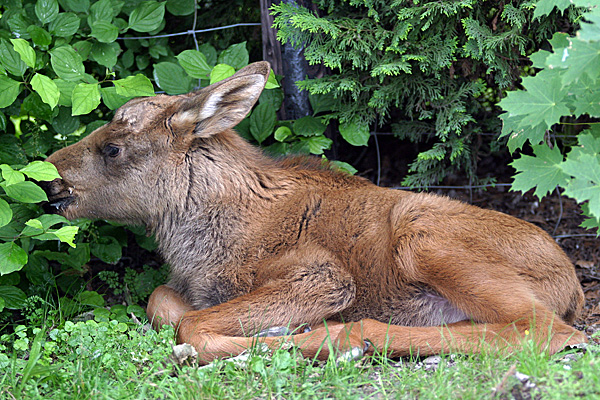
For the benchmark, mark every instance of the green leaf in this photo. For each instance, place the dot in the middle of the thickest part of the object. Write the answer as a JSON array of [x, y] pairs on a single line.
[[282, 133], [46, 10], [235, 55], [107, 249], [220, 72], [134, 86], [194, 63], [67, 63], [25, 192], [86, 97], [91, 299], [112, 99], [147, 16], [5, 213], [272, 81], [65, 25], [262, 122], [309, 126], [104, 31], [46, 88], [317, 144], [344, 167], [181, 7], [66, 92], [41, 171], [26, 52], [9, 90], [355, 134], [40, 36], [81, 6], [580, 57], [542, 171], [171, 78], [12, 258], [105, 54], [545, 7], [543, 100], [66, 234], [101, 11], [14, 298], [10, 175], [11, 60]]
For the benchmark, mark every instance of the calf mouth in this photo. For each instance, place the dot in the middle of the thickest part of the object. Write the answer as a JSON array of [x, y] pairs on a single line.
[[57, 205]]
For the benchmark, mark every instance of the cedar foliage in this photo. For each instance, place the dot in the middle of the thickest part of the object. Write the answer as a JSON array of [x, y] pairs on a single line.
[[426, 70]]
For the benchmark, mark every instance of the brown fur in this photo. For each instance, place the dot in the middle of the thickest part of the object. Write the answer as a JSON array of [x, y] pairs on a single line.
[[255, 243]]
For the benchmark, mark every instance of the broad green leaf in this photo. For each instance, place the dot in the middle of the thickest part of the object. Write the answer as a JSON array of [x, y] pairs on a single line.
[[67, 63], [90, 298], [355, 134], [272, 81], [108, 251], [46, 88], [65, 25], [66, 234], [18, 24], [35, 223], [86, 97], [309, 126], [545, 7], [81, 6], [46, 10], [9, 90], [542, 171], [66, 91], [583, 165], [262, 122], [580, 57], [112, 99], [105, 54], [134, 86], [26, 52], [11, 60], [220, 72], [101, 11], [104, 31], [10, 175], [344, 167], [194, 63], [26, 192], [2, 303], [282, 133], [12, 258], [181, 7], [235, 55], [210, 52], [41, 171], [40, 36], [543, 100], [171, 78], [14, 298], [317, 144], [147, 16], [5, 213], [590, 27]]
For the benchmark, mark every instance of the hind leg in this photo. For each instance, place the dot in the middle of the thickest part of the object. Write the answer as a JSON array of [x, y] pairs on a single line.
[[166, 307]]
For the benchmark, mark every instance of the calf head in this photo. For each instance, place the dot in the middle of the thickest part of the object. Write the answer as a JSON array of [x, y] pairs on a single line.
[[127, 170]]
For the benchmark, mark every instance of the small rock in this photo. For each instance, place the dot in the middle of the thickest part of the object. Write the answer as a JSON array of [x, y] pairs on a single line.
[[184, 353]]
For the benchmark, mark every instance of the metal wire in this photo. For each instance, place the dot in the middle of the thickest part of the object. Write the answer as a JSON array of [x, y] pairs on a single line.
[[191, 31]]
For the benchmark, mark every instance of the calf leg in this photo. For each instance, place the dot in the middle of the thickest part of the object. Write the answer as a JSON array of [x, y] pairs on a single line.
[[166, 307]]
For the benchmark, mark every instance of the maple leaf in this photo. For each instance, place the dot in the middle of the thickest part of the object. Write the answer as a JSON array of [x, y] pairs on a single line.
[[542, 171]]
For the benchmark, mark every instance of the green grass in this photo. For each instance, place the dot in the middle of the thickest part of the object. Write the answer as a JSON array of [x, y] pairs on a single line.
[[115, 360]]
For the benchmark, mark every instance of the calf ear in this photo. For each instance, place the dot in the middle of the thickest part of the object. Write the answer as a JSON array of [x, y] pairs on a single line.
[[222, 105]]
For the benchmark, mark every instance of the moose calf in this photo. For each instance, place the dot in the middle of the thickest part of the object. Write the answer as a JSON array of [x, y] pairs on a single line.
[[257, 244]]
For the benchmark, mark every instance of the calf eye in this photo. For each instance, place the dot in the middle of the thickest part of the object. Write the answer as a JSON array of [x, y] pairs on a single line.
[[111, 150]]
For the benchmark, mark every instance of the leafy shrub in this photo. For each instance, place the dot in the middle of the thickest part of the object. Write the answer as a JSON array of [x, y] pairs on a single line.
[[65, 66], [562, 95], [430, 71]]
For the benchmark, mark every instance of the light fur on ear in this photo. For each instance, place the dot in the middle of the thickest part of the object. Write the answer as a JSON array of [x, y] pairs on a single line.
[[222, 105]]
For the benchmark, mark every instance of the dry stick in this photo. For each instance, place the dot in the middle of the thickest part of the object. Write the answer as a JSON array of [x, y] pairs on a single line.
[[500, 388]]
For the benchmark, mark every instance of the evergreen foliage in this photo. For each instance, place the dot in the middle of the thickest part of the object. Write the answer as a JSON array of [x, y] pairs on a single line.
[[418, 67]]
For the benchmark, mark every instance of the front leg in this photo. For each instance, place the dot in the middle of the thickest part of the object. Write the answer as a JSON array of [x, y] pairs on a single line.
[[313, 289]]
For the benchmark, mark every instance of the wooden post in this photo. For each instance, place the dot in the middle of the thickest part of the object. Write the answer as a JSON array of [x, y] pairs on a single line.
[[271, 47]]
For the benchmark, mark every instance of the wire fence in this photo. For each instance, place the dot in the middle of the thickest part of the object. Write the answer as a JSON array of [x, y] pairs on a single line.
[[470, 188]]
